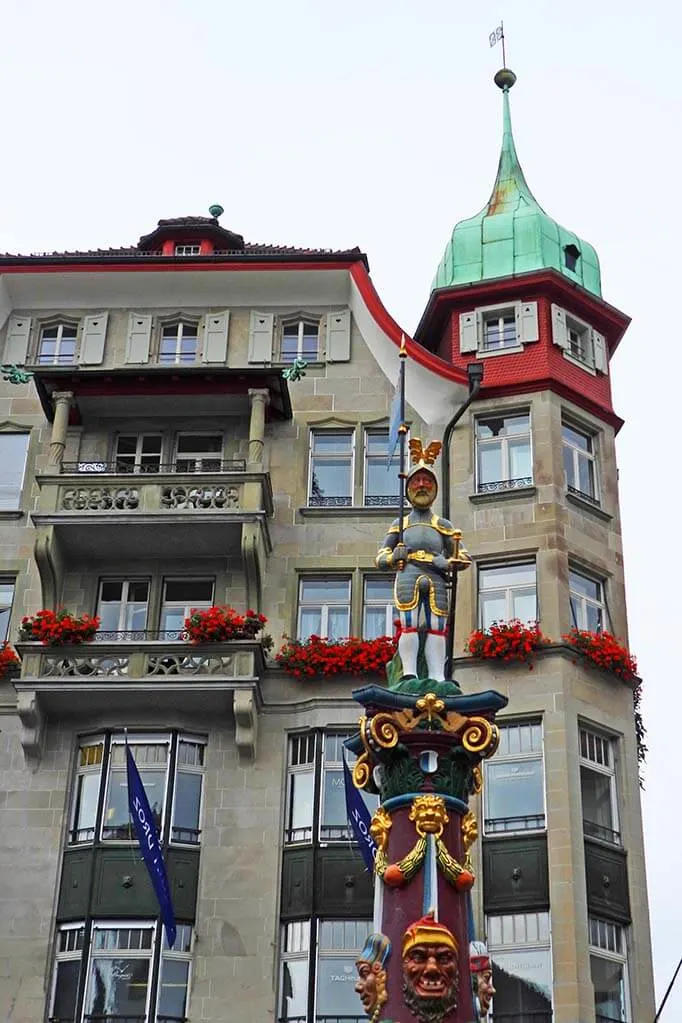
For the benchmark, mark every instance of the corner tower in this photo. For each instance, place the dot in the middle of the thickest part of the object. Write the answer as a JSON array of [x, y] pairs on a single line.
[[534, 488]]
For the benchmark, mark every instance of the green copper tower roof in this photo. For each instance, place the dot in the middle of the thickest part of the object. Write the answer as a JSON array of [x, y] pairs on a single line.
[[512, 234]]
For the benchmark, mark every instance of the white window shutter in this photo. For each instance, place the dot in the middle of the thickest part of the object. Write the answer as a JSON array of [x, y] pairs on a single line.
[[261, 329], [16, 343], [216, 326], [92, 341], [468, 332], [559, 328], [527, 322], [338, 336], [139, 337], [601, 357]]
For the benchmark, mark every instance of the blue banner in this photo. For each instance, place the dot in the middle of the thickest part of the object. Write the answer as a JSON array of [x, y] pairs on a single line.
[[150, 847], [359, 818]]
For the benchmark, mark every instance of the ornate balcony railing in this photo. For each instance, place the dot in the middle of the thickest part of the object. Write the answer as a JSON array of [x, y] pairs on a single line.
[[593, 830], [582, 496], [530, 822], [320, 501], [181, 465], [381, 500], [499, 486]]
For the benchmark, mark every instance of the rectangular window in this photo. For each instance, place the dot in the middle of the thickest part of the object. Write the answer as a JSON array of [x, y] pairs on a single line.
[[121, 961], [338, 946], [519, 946], [503, 453], [122, 607], [311, 783], [100, 777], [199, 452], [138, 453], [323, 607], [499, 329], [57, 345], [598, 786], [514, 789], [579, 341], [188, 250], [608, 969], [6, 601], [382, 484], [179, 343], [180, 598], [377, 607], [300, 340], [295, 971], [331, 468], [588, 602], [580, 467], [68, 956], [506, 592], [13, 452]]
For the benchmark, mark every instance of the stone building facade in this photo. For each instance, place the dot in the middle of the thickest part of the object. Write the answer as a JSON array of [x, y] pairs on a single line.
[[156, 461]]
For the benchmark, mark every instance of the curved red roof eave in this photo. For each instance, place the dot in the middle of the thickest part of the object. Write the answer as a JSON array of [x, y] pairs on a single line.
[[391, 329]]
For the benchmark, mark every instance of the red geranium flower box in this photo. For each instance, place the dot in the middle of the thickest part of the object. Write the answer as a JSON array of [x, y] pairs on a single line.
[[507, 641], [56, 628], [323, 657], [8, 659], [220, 623]]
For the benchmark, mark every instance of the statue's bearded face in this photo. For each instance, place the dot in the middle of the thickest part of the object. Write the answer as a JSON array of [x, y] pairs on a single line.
[[485, 990], [422, 489], [371, 985], [430, 981]]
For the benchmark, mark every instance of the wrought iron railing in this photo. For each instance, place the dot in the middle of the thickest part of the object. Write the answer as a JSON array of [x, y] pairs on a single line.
[[590, 498], [318, 501], [381, 500], [529, 822], [498, 486], [594, 830], [181, 465], [139, 635]]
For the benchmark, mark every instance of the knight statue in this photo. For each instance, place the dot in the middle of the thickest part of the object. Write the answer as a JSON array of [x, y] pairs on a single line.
[[424, 551]]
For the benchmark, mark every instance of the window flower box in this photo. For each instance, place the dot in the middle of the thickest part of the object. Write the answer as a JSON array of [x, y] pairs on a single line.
[[220, 623], [9, 661], [507, 641], [320, 658], [57, 628]]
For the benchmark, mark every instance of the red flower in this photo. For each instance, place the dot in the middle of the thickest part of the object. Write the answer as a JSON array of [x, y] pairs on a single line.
[[58, 627], [506, 641], [323, 657], [221, 623]]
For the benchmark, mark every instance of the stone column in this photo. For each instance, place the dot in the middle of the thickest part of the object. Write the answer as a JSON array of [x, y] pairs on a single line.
[[63, 403], [259, 398]]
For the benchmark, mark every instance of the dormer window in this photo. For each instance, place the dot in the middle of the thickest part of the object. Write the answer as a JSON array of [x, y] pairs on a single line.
[[179, 342], [499, 330], [57, 345], [191, 249], [571, 256], [300, 340]]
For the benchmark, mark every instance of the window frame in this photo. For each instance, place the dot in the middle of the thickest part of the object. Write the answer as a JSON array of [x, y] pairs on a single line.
[[530, 756], [610, 771], [73, 955], [95, 827], [334, 501], [581, 621], [500, 313], [376, 500], [390, 611], [180, 323], [138, 468], [584, 332], [184, 246], [325, 607], [509, 590], [514, 947], [58, 324], [20, 480], [163, 603], [8, 583], [596, 951], [591, 456], [506, 483], [198, 457], [125, 603], [300, 321]]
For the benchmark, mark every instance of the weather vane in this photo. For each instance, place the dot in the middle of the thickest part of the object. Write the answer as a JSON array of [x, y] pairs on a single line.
[[495, 37]]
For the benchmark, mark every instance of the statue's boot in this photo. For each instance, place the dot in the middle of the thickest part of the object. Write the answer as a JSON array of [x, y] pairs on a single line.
[[434, 651], [408, 648]]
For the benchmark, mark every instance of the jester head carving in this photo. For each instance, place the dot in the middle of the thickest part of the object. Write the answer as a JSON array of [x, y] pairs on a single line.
[[430, 970], [371, 967]]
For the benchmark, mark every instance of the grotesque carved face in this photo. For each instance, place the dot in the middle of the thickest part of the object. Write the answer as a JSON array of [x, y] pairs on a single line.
[[485, 990], [430, 981], [422, 489], [371, 985]]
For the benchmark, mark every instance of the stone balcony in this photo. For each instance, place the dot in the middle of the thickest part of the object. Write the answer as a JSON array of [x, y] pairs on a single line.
[[86, 513], [126, 679]]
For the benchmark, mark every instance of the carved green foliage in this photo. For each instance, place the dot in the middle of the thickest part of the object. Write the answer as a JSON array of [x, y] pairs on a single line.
[[400, 774], [455, 774]]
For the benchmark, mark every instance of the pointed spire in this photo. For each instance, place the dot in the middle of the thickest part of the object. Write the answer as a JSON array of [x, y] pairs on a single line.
[[510, 188]]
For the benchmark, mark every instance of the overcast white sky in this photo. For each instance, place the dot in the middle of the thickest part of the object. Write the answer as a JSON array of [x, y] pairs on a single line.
[[377, 124]]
